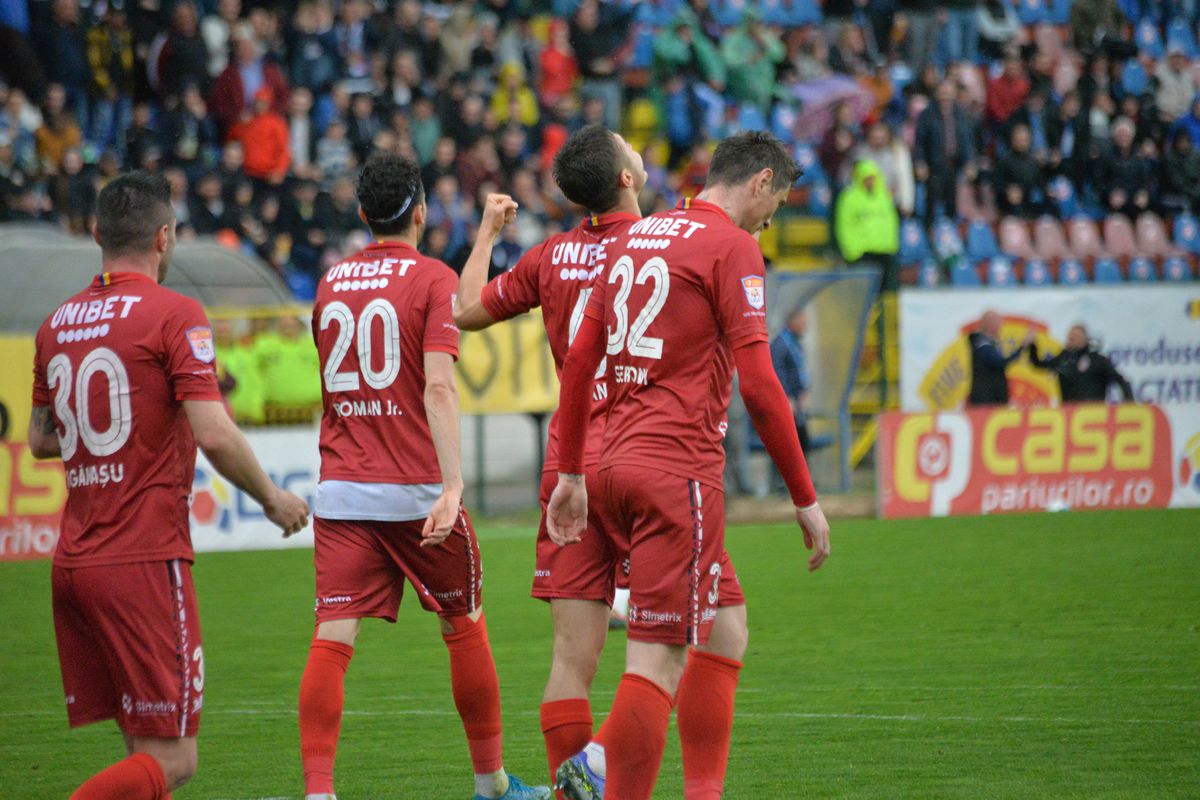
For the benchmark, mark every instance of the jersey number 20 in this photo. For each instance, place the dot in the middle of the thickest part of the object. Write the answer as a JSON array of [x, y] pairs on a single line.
[[377, 309]]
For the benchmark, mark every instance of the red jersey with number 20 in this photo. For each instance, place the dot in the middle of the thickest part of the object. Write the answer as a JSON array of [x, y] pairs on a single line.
[[376, 315], [678, 291], [558, 275], [114, 364]]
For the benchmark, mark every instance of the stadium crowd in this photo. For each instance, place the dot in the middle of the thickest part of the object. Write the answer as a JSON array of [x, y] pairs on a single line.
[[260, 113]]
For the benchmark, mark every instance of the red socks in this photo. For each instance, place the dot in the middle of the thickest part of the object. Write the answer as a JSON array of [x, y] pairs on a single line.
[[567, 726], [138, 777], [634, 737], [476, 691], [321, 697], [705, 715]]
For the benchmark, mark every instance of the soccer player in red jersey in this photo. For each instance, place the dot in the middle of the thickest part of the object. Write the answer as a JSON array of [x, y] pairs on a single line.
[[124, 390], [598, 170], [389, 501], [680, 304]]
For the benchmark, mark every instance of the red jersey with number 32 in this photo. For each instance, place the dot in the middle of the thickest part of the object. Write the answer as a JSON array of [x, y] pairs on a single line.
[[376, 315], [114, 364], [678, 291], [558, 275]]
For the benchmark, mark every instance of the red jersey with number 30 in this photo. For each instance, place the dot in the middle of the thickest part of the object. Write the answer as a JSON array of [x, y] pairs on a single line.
[[376, 315], [114, 364], [678, 291], [558, 275]]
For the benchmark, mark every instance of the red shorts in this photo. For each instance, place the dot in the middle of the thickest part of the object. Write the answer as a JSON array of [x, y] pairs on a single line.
[[589, 570], [362, 565], [129, 646], [679, 572]]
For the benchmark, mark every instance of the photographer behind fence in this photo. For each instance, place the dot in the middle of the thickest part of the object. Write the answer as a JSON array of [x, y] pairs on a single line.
[[1084, 373]]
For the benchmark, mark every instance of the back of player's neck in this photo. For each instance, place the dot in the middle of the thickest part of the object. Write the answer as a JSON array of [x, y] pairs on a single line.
[[127, 264], [399, 238], [628, 204]]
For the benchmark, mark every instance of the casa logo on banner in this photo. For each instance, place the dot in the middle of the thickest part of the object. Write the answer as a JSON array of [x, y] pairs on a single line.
[[1011, 459]]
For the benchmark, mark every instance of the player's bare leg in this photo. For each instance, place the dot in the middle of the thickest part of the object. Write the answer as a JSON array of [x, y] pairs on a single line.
[[624, 758], [704, 704], [322, 694], [580, 629], [152, 769]]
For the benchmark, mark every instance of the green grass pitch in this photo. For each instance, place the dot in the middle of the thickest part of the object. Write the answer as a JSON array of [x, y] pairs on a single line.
[[1052, 656]]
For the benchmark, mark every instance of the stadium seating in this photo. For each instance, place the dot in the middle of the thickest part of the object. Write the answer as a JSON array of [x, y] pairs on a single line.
[[1134, 79], [820, 199], [1085, 239], [913, 246], [1014, 238], [1107, 270], [1049, 241], [1071, 273], [947, 243], [1179, 33], [1031, 12], [1187, 233], [1063, 195], [1177, 269], [1152, 240], [1037, 273], [1000, 272], [1142, 270], [1059, 13], [981, 241], [806, 156], [929, 276], [1148, 39], [1118, 236], [963, 274]]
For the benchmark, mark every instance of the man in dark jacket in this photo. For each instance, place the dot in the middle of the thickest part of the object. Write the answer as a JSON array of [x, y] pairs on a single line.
[[1019, 179], [989, 385], [942, 148], [1084, 373]]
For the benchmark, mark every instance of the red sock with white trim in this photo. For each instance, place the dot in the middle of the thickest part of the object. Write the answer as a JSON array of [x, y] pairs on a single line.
[[139, 777], [322, 694], [704, 711], [476, 692]]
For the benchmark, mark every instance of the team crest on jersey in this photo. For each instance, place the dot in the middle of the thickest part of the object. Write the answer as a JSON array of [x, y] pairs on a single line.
[[755, 289], [201, 340]]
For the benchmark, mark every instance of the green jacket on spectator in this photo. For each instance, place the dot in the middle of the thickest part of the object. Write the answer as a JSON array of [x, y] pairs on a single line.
[[683, 49], [751, 53], [291, 370], [247, 399], [865, 219]]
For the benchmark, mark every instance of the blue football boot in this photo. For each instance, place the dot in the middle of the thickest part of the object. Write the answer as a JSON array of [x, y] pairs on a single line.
[[577, 780], [517, 790]]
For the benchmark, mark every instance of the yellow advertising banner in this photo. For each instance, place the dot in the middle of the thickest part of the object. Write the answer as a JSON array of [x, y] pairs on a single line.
[[507, 369], [16, 383]]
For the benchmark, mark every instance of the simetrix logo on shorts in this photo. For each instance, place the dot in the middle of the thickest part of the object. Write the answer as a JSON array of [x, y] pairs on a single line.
[[648, 617], [448, 595], [147, 707], [541, 573], [333, 600]]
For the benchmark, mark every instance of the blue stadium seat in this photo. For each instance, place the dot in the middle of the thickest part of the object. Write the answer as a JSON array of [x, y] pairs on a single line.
[[1142, 270], [1062, 191], [820, 198], [1178, 32], [1134, 79], [929, 276], [1071, 273], [1000, 272], [1148, 39], [1037, 273], [913, 247], [947, 242], [962, 273], [806, 157], [981, 241], [751, 118], [901, 75], [302, 285], [1031, 12], [1177, 269], [783, 121], [643, 48], [1187, 233], [1059, 13], [1107, 271]]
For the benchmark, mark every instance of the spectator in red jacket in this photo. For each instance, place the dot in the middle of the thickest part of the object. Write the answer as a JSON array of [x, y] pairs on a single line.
[[559, 68], [264, 138], [1006, 92], [248, 71]]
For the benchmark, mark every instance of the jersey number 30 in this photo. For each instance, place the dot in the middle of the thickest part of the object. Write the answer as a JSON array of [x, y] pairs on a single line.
[[77, 423], [377, 309], [633, 337]]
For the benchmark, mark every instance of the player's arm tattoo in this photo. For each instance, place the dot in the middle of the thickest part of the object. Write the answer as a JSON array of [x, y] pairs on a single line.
[[43, 421], [43, 434]]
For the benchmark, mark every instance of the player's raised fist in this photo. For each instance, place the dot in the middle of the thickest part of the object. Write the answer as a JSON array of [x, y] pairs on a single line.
[[566, 516], [287, 511], [499, 210], [441, 519], [816, 534]]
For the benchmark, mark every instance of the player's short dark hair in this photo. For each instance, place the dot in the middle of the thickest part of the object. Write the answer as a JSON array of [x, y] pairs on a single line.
[[389, 191], [130, 209], [743, 155], [588, 167]]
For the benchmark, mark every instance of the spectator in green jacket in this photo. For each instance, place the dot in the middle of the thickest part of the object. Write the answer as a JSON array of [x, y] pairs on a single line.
[[238, 373], [290, 366], [866, 223], [683, 49], [751, 53]]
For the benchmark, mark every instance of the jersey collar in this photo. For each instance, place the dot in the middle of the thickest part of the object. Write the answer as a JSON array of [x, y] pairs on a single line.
[[696, 204], [604, 220], [109, 278], [391, 245]]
